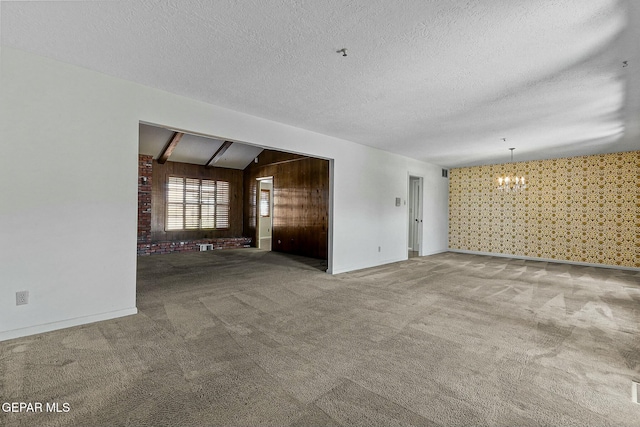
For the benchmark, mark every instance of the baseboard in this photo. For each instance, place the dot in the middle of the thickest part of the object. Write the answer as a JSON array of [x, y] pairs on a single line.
[[439, 251], [387, 261], [362, 267], [53, 326], [560, 261]]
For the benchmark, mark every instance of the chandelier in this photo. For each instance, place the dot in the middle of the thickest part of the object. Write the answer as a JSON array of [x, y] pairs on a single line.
[[509, 184]]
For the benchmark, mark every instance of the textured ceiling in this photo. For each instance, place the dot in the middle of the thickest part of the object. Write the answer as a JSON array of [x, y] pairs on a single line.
[[439, 81]]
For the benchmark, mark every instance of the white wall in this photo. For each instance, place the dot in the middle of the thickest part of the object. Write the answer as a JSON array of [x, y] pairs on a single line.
[[68, 182]]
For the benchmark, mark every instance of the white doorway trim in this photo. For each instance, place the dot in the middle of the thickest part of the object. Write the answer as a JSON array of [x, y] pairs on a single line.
[[264, 226], [330, 213]]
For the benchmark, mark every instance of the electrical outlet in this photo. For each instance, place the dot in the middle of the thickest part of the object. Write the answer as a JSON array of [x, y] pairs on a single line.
[[22, 297]]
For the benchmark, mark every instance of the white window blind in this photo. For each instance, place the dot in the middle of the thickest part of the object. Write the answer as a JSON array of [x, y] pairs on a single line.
[[265, 202], [222, 204], [196, 204]]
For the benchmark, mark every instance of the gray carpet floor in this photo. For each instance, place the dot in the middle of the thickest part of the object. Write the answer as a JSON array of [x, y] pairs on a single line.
[[244, 337]]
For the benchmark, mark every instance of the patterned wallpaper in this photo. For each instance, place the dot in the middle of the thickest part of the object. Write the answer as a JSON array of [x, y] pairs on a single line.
[[584, 209]]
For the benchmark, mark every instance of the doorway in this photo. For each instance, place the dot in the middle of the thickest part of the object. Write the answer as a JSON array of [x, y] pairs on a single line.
[[264, 214], [415, 216]]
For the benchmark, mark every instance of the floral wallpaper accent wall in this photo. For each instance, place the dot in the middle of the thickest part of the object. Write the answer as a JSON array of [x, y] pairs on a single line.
[[583, 209]]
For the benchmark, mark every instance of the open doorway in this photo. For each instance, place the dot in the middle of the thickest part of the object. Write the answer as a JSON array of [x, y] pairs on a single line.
[[264, 207], [415, 216], [199, 193]]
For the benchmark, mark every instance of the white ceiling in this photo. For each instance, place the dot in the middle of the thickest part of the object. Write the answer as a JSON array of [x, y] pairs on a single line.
[[439, 81], [194, 148]]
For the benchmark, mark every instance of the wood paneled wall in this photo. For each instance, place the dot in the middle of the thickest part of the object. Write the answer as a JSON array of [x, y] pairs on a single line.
[[161, 172], [300, 202]]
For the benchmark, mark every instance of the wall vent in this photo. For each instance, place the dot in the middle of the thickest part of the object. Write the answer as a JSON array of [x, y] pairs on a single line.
[[445, 173]]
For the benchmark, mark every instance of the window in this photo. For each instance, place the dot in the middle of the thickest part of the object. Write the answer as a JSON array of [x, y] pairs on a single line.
[[197, 204], [265, 202]]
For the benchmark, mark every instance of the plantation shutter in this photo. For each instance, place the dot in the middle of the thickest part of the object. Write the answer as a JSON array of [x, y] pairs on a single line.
[[194, 204], [175, 203], [208, 204], [222, 204]]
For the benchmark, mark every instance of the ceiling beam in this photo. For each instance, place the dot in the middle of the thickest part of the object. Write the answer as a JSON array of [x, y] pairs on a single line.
[[219, 152], [168, 149]]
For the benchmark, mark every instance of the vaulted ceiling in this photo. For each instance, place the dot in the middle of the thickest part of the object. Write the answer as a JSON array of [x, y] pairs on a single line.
[[195, 149], [439, 81]]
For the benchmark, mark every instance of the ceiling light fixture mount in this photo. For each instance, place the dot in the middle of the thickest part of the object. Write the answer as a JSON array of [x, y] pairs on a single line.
[[343, 51]]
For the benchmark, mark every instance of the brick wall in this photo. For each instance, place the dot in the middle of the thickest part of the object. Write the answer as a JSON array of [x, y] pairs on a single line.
[[145, 168], [145, 245], [192, 245]]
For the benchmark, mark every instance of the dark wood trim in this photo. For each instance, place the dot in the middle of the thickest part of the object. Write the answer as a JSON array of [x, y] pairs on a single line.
[[219, 152], [168, 149]]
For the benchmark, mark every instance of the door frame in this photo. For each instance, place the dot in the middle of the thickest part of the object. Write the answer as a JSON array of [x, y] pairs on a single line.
[[259, 182], [415, 222]]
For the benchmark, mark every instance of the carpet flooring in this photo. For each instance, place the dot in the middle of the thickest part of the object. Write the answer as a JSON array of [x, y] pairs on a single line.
[[252, 338]]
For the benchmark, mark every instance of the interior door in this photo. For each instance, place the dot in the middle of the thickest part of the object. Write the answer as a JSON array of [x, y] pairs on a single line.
[[415, 213]]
